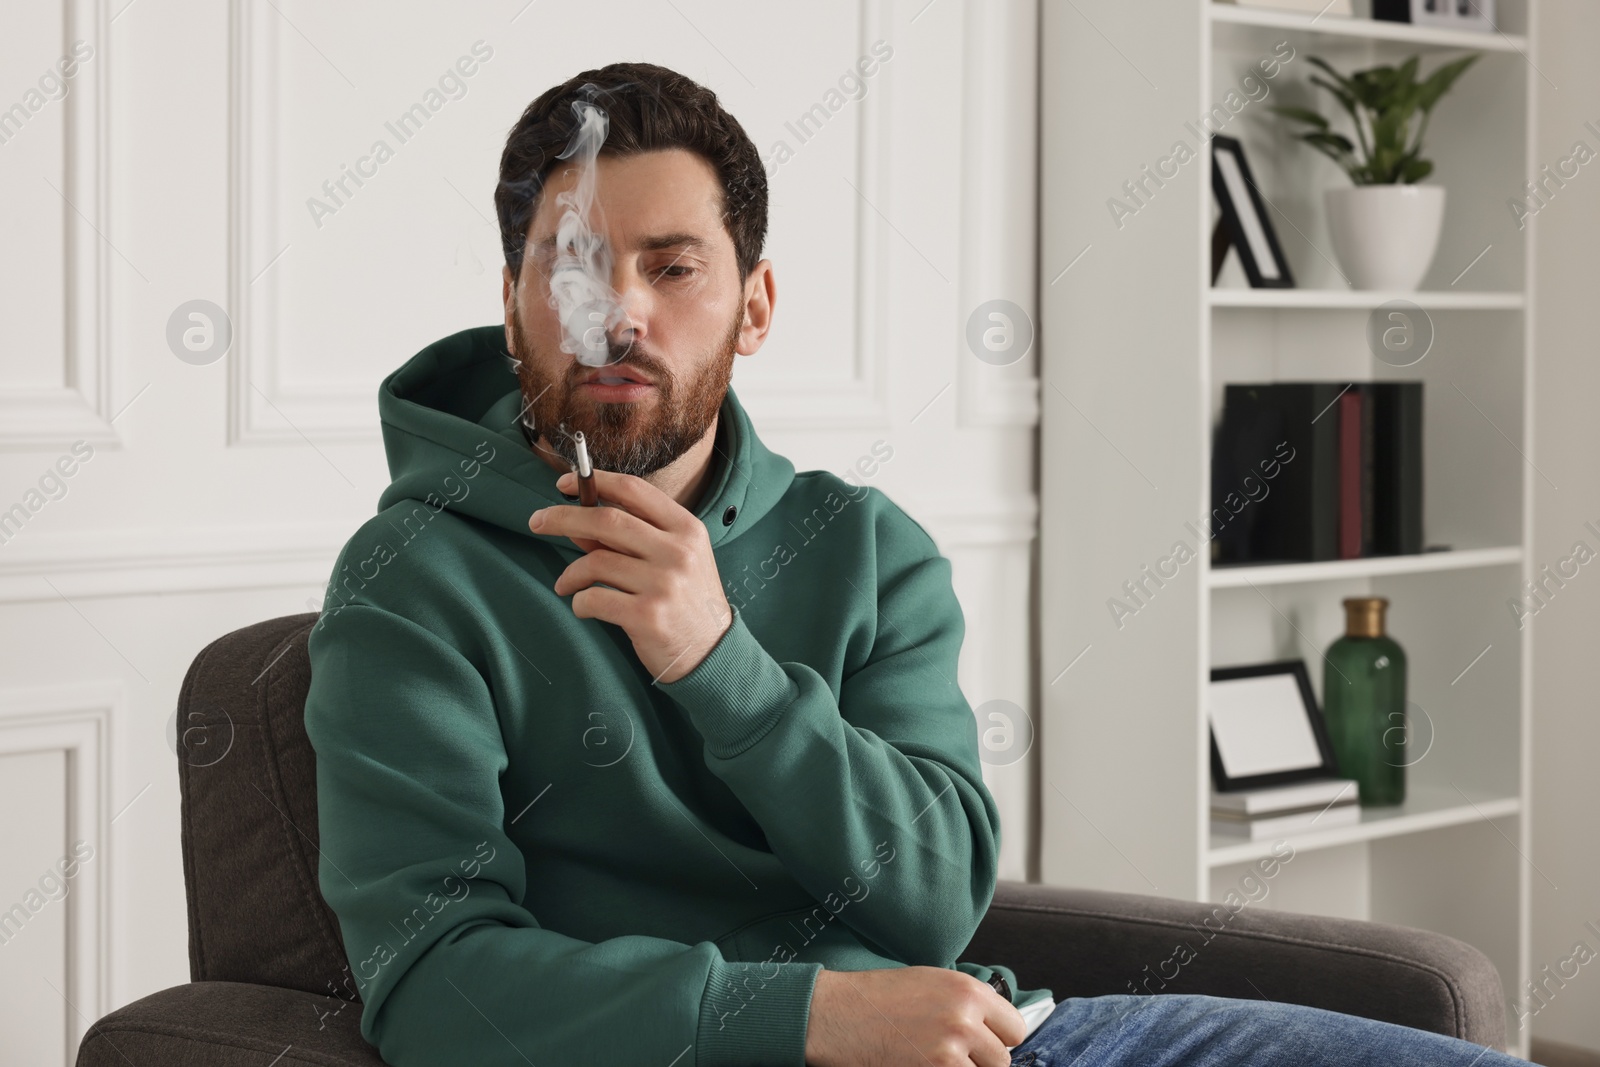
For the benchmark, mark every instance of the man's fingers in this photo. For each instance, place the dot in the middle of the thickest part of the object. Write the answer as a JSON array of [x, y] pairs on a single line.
[[1003, 1018], [634, 495], [616, 528], [625, 573], [988, 1050]]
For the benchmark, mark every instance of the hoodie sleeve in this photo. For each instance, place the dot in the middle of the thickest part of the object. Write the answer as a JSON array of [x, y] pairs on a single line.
[[427, 889], [887, 774]]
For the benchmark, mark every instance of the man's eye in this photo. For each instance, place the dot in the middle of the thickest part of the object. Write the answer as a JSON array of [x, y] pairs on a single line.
[[680, 270]]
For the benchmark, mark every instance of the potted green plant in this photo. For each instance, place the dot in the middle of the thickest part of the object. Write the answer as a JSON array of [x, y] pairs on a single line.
[[1385, 227]]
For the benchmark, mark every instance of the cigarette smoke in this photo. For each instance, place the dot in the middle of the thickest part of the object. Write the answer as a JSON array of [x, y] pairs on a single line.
[[580, 287]]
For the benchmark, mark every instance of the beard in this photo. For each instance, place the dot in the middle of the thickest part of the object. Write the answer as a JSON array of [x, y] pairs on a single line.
[[635, 437]]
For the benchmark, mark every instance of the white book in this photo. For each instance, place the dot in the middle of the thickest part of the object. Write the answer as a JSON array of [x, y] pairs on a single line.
[[1286, 797], [1312, 7], [1265, 827]]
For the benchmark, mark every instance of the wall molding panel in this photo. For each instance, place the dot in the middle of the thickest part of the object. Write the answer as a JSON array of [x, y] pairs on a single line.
[[78, 719], [153, 562], [51, 418], [264, 408]]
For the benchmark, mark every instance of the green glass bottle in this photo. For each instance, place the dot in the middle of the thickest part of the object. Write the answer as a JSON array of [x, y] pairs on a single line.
[[1364, 703]]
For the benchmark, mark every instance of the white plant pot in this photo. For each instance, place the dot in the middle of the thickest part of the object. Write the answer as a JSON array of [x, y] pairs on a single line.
[[1385, 235]]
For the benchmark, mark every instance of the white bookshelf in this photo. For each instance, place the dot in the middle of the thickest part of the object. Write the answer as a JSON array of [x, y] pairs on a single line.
[[1136, 346], [1361, 300], [1234, 577], [1425, 808], [1363, 29]]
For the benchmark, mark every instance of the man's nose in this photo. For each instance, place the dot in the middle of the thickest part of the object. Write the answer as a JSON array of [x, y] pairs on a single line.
[[635, 298]]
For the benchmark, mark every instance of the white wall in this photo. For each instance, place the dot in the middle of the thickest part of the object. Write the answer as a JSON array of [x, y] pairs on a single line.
[[178, 166], [1566, 671]]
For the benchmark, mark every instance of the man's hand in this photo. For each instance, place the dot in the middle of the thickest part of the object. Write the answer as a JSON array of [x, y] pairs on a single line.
[[656, 556], [909, 1017]]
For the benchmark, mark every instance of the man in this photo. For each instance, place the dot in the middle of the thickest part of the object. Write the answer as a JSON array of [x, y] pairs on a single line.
[[685, 778]]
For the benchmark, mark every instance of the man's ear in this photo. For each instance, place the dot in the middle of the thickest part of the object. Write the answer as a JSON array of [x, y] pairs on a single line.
[[760, 296], [508, 297]]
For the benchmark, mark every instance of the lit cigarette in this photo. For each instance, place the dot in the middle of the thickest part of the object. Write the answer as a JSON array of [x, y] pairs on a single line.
[[588, 493]]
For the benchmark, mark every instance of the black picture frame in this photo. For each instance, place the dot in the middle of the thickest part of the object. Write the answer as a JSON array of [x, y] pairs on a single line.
[[1244, 219], [1328, 768]]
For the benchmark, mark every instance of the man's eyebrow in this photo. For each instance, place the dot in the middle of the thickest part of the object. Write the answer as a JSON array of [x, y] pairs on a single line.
[[654, 243], [672, 240]]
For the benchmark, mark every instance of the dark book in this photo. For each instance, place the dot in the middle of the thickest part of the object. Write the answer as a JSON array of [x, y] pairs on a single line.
[[1371, 462], [1243, 436], [1284, 437], [1352, 468], [1397, 473], [1311, 471]]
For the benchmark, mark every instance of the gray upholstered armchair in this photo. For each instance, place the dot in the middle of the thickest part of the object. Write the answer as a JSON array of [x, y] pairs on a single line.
[[268, 967]]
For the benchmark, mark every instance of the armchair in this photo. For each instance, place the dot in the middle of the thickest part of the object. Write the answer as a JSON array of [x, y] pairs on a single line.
[[269, 975]]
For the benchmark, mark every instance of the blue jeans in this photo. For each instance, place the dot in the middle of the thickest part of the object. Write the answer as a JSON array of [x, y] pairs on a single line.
[[1122, 1030]]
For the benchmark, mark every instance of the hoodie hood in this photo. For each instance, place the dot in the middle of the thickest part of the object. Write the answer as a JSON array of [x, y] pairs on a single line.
[[451, 412]]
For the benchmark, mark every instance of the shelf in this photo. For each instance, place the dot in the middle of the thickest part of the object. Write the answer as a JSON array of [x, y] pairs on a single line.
[[1425, 808], [1243, 575], [1367, 29], [1363, 299]]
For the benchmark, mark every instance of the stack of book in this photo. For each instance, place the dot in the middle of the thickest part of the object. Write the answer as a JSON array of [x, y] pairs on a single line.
[[1312, 471], [1273, 811]]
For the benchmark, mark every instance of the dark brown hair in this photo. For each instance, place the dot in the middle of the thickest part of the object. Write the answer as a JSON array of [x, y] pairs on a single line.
[[649, 107]]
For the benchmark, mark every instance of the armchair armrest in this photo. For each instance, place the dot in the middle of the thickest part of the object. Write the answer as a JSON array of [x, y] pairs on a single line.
[[1085, 943], [230, 1024]]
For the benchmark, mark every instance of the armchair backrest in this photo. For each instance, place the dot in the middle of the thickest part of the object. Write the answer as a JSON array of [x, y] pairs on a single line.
[[248, 778]]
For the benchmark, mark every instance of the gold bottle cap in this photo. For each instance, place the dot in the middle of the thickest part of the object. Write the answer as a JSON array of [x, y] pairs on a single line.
[[1363, 615]]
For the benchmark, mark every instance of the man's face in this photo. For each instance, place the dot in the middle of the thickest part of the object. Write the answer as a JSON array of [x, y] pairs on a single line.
[[686, 314]]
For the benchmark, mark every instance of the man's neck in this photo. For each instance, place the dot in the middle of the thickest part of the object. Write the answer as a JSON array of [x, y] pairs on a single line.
[[685, 479]]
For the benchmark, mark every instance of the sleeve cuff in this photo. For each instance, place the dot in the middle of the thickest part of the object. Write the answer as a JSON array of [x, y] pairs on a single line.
[[749, 1016], [736, 694]]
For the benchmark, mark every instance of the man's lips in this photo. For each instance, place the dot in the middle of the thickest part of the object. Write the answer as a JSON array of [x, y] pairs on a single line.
[[616, 384], [615, 376]]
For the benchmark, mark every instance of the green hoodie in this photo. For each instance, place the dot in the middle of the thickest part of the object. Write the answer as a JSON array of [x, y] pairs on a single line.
[[537, 854]]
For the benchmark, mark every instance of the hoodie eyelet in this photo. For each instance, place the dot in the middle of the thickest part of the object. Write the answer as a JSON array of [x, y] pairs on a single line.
[[729, 515]]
